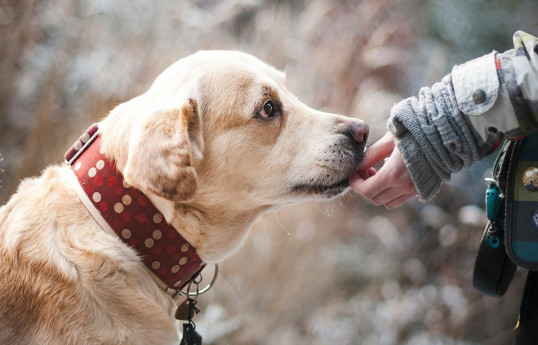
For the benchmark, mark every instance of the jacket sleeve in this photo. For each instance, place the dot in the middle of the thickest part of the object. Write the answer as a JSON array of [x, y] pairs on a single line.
[[499, 92], [461, 119]]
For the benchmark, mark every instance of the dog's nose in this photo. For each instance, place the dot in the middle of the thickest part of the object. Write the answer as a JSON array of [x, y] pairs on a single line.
[[359, 130]]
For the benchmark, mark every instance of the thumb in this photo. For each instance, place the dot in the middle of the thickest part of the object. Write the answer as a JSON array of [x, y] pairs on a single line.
[[378, 151]]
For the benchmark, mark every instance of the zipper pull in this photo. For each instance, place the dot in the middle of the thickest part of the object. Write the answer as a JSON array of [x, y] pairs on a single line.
[[493, 199]]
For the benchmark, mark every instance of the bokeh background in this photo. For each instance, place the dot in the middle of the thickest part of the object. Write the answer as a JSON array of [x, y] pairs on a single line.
[[339, 272]]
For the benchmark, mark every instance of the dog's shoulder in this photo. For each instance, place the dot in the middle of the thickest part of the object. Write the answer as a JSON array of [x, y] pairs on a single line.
[[62, 275]]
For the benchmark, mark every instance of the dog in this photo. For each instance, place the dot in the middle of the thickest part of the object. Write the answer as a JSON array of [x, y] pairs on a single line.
[[217, 140]]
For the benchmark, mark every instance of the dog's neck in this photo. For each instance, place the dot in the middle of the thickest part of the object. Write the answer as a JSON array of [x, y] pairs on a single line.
[[215, 230]]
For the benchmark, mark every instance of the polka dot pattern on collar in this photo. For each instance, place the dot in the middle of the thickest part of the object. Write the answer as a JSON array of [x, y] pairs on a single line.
[[134, 218]]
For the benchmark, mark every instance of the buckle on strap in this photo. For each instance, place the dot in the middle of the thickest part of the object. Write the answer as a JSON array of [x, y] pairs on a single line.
[[82, 143]]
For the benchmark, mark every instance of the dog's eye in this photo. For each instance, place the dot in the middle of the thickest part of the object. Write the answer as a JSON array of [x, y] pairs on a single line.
[[269, 110]]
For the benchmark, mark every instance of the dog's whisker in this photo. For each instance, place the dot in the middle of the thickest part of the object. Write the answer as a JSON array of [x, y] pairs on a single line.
[[281, 225]]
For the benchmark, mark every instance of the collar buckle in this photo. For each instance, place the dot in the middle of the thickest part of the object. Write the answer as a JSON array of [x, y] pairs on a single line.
[[81, 144]]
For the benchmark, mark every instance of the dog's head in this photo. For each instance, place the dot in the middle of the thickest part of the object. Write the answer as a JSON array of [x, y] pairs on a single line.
[[221, 129]]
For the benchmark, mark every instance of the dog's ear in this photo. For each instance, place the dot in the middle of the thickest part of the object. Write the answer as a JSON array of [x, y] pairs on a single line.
[[160, 153]]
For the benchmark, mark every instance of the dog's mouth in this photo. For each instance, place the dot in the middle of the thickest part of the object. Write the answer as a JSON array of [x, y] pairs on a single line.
[[329, 190], [326, 186]]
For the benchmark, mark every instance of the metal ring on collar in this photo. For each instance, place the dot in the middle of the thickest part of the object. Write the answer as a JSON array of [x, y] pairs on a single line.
[[205, 289]]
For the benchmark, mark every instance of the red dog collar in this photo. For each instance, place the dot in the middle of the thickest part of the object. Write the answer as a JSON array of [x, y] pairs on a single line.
[[130, 214]]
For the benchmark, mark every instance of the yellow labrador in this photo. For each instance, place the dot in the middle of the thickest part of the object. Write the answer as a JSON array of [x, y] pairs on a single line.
[[217, 140]]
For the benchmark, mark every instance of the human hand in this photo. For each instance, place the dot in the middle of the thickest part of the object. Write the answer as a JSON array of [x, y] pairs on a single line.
[[391, 186]]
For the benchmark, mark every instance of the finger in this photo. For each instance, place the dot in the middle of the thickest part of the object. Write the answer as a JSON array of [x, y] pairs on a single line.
[[368, 188], [400, 200], [365, 174], [362, 174], [387, 196], [379, 150]]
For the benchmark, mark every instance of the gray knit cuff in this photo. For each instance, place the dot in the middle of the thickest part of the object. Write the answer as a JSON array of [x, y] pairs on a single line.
[[426, 181], [434, 137]]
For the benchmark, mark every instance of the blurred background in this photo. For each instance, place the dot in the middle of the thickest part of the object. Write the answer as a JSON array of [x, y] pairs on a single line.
[[340, 272]]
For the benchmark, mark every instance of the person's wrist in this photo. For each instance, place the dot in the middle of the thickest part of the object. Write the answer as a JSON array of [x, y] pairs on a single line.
[[424, 178]]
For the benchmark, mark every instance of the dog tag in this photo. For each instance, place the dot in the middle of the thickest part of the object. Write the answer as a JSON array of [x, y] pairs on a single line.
[[184, 311], [190, 336]]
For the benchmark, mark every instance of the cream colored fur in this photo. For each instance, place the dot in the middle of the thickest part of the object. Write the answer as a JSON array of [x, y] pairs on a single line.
[[198, 144]]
